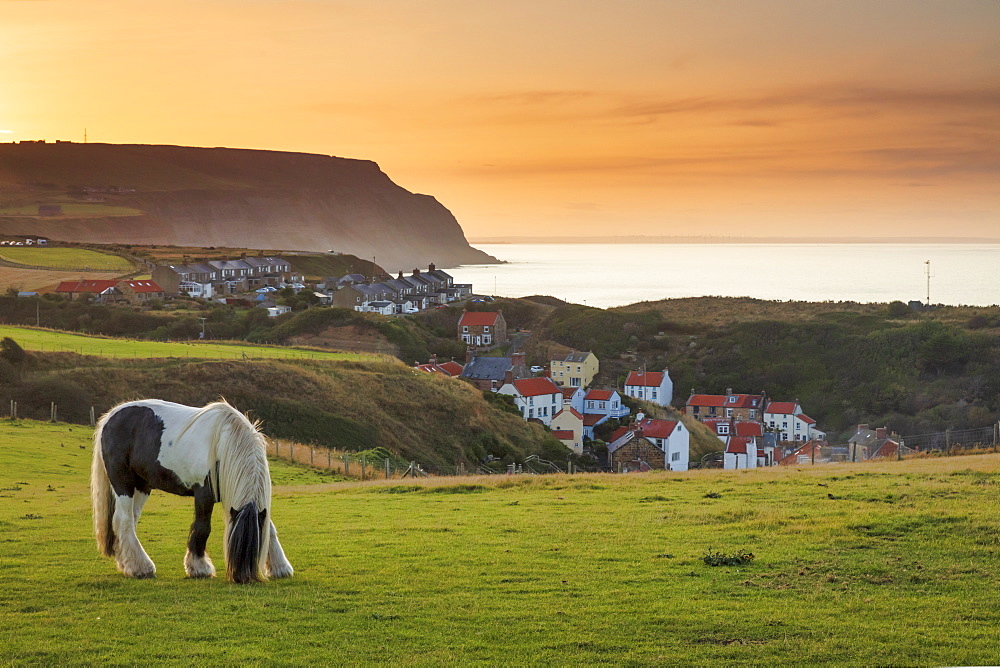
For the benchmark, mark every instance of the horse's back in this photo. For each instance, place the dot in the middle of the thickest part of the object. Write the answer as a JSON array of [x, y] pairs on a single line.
[[151, 435]]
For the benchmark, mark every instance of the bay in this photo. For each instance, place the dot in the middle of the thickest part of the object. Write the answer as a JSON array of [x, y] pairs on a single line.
[[607, 275]]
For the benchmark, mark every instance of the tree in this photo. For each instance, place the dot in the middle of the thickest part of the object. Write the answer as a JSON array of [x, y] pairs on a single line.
[[897, 309], [12, 352]]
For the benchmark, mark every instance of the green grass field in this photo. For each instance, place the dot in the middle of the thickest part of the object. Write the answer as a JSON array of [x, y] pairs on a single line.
[[47, 340], [59, 258], [891, 564]]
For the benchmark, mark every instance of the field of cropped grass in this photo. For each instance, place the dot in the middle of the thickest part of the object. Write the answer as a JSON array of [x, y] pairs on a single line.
[[48, 340], [59, 258], [890, 564]]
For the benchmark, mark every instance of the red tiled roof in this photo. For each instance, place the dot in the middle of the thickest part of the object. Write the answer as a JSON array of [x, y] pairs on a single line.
[[451, 368], [781, 407], [658, 428], [598, 395], [77, 287], [618, 433], [760, 452], [568, 392], [478, 319], [738, 444], [707, 400], [563, 434], [591, 419], [143, 286], [533, 387], [648, 379], [429, 368], [805, 418], [749, 429]]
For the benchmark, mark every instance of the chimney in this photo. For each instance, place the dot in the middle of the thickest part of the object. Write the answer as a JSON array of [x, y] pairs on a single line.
[[433, 359], [881, 432], [416, 272], [470, 354], [400, 275], [430, 267], [243, 256], [508, 377], [862, 427], [517, 359], [729, 391]]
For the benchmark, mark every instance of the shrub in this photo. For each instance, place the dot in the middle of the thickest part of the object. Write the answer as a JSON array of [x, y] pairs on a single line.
[[740, 558], [12, 352]]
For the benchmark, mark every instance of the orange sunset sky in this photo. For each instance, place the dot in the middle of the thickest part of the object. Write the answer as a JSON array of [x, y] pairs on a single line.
[[544, 117]]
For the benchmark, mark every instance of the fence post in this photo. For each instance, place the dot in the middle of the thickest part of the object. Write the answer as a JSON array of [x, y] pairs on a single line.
[[310, 455], [15, 410], [364, 460], [569, 466], [329, 459], [11, 409], [52, 411], [947, 439], [388, 465], [347, 464], [93, 422]]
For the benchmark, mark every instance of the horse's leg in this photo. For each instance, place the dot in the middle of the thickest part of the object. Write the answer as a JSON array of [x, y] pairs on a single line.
[[196, 562], [277, 563], [139, 499], [132, 560]]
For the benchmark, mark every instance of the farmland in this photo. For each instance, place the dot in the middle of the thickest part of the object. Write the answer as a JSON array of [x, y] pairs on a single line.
[[65, 258], [53, 341], [891, 563]]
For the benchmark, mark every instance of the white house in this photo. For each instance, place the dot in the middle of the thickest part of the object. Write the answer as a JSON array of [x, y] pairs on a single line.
[[280, 309], [573, 397], [787, 420], [669, 436], [536, 398], [741, 453], [653, 386], [604, 402]]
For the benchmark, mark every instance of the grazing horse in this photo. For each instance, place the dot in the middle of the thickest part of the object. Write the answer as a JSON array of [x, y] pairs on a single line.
[[214, 454]]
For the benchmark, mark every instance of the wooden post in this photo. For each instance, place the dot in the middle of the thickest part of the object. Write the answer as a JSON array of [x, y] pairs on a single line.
[[347, 464], [93, 422], [15, 410], [569, 466], [52, 411], [329, 459], [947, 439], [364, 460], [11, 409], [310, 455], [388, 466]]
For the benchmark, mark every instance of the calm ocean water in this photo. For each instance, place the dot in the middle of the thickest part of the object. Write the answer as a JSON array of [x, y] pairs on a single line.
[[615, 274]]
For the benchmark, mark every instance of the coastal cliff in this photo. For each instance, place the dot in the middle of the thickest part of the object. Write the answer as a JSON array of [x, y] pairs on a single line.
[[174, 195]]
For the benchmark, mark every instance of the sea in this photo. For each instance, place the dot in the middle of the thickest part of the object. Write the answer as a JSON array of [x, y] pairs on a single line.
[[606, 275]]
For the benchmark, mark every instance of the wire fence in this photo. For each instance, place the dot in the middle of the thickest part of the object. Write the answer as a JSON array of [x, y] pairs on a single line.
[[954, 439]]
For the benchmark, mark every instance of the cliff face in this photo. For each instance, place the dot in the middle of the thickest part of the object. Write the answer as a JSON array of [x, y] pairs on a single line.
[[225, 197]]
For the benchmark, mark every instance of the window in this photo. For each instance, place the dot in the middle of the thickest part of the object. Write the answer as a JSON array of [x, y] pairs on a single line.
[[723, 429], [487, 339], [729, 412], [486, 328], [574, 382], [465, 328], [531, 412], [753, 413], [731, 399], [654, 393], [675, 456]]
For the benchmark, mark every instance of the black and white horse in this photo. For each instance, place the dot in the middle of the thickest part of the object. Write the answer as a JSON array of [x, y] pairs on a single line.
[[214, 454]]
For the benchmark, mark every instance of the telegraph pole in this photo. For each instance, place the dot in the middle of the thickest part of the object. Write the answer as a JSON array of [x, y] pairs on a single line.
[[928, 263]]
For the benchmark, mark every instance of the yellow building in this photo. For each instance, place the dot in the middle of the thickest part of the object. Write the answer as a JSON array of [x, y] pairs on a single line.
[[567, 426], [575, 369]]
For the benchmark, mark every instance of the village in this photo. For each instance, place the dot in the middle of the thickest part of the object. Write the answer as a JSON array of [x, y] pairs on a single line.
[[754, 430]]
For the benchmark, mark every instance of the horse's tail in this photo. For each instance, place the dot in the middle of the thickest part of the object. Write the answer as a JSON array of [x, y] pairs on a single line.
[[101, 496], [242, 483]]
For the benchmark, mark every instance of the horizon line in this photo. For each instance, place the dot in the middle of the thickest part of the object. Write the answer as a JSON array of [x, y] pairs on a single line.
[[666, 239]]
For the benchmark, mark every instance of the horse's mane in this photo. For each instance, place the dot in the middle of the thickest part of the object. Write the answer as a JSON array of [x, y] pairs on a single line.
[[238, 447]]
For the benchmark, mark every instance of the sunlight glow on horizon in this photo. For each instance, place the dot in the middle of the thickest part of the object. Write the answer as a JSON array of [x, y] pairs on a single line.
[[777, 117]]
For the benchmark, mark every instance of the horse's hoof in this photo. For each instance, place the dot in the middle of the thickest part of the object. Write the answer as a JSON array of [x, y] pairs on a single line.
[[145, 575], [280, 572]]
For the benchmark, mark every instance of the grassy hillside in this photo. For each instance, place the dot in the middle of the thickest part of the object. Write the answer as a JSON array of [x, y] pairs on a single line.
[[65, 257], [54, 341], [891, 564], [339, 403]]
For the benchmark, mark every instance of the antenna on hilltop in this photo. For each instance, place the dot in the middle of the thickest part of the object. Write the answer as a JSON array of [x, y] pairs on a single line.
[[928, 263]]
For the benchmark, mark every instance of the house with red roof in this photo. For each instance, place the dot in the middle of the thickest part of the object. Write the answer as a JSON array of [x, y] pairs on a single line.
[[537, 398], [604, 402], [729, 406], [741, 453], [140, 291], [786, 419], [652, 386], [451, 368], [657, 444], [573, 396], [482, 328], [74, 289], [567, 426]]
